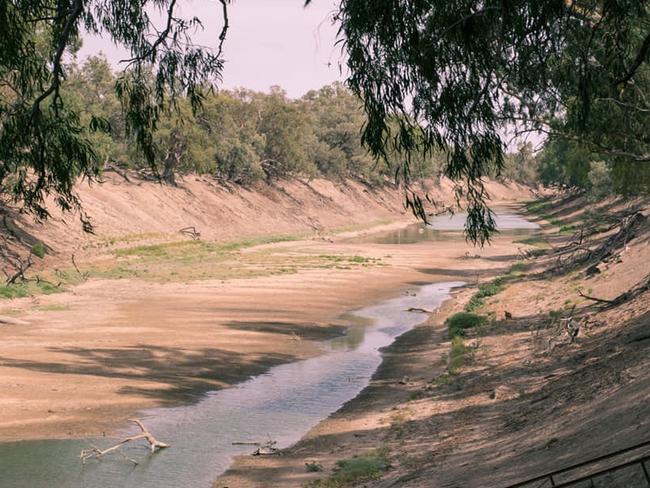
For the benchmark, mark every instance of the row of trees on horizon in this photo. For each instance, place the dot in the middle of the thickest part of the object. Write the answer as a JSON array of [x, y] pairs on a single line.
[[243, 136]]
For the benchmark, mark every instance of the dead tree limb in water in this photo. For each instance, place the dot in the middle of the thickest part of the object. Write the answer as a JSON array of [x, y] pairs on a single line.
[[95, 452], [263, 449]]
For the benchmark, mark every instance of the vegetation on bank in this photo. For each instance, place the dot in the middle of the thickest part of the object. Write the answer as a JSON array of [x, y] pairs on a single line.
[[355, 470], [241, 136], [185, 261], [460, 323]]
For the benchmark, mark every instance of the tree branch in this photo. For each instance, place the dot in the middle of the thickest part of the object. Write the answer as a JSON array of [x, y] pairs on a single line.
[[638, 61], [224, 30], [57, 69]]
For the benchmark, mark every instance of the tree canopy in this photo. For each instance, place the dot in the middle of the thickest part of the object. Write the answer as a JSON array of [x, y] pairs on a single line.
[[464, 75], [44, 143], [461, 79], [240, 136]]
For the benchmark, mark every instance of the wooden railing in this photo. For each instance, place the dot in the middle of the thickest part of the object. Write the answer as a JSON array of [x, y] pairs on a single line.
[[563, 478]]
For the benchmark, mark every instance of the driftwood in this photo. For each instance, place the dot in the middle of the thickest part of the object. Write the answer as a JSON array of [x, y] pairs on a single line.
[[578, 252], [83, 275], [191, 232], [419, 310], [114, 168], [594, 299], [96, 453], [263, 449], [20, 266]]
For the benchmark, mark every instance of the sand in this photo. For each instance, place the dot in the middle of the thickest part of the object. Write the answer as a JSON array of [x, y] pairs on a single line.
[[191, 318]]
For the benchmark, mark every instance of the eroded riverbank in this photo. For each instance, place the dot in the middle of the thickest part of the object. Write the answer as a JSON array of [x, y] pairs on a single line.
[[132, 354], [530, 397]]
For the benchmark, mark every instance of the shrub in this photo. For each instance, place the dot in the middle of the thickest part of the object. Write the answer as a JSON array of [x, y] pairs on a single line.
[[13, 291], [38, 250], [459, 322], [313, 467], [484, 291], [356, 470]]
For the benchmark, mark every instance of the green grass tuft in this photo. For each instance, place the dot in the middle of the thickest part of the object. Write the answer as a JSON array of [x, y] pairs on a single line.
[[517, 268], [536, 241], [13, 291], [538, 206], [484, 291], [355, 470], [459, 322], [458, 355]]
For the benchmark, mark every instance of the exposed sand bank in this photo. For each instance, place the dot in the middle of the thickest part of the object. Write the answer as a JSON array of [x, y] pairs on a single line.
[[189, 317]]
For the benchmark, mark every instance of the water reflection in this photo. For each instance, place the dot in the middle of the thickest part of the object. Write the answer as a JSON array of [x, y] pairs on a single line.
[[446, 227]]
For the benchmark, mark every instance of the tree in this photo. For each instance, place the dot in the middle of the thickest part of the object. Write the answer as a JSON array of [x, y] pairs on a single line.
[[435, 78], [458, 75], [337, 118], [522, 165], [288, 139], [44, 143]]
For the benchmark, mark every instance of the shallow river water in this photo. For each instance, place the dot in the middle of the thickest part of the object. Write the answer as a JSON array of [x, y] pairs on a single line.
[[282, 404], [446, 227]]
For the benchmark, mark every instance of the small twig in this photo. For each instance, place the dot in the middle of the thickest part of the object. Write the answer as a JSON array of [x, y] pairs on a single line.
[[84, 275]]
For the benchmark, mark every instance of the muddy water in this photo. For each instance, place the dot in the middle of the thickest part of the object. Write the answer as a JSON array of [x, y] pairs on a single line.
[[446, 227], [282, 404]]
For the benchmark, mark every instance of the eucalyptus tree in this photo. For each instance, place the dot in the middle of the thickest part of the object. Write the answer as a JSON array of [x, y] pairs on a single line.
[[462, 75], [44, 143], [435, 77]]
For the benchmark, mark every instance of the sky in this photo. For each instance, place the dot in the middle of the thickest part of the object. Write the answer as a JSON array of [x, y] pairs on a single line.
[[270, 42]]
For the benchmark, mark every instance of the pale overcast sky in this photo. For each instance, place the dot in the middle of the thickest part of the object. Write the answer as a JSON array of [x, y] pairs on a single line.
[[270, 42]]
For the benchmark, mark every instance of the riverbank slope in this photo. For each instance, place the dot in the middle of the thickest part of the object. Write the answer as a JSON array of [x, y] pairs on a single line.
[[557, 376]]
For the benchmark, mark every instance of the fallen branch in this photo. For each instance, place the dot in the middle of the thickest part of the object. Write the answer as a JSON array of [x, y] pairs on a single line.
[[263, 449], [96, 453], [20, 268], [191, 232], [594, 299], [112, 167], [419, 310], [84, 275]]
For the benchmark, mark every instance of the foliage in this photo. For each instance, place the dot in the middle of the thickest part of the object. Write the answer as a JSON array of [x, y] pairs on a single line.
[[313, 467], [522, 166], [458, 354], [240, 136], [39, 250], [485, 290], [459, 322], [442, 83], [457, 76], [45, 142], [600, 179]]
